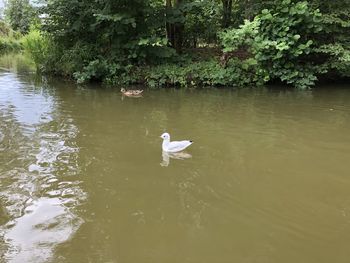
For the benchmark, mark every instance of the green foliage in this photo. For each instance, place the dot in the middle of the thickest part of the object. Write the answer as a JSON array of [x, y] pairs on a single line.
[[280, 41], [9, 45], [334, 41], [243, 37], [204, 73], [134, 41], [98, 69], [338, 58], [100, 39], [37, 45], [9, 39], [202, 22], [247, 10], [20, 14], [5, 30]]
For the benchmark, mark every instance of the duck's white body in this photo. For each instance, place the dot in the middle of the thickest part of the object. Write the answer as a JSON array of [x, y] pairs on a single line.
[[175, 146]]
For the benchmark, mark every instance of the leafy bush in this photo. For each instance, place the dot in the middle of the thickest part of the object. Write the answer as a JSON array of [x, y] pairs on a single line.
[[37, 45], [201, 22], [339, 58], [20, 14], [9, 39], [124, 42], [5, 29], [280, 41], [103, 40], [335, 40], [204, 73], [9, 45]]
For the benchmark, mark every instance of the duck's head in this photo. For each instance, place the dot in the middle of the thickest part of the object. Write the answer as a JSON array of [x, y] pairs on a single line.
[[122, 90], [165, 136]]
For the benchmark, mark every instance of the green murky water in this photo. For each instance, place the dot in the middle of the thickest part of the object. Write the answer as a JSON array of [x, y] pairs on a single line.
[[83, 177]]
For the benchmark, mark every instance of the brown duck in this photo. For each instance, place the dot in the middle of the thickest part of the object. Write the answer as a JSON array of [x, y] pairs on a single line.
[[131, 93]]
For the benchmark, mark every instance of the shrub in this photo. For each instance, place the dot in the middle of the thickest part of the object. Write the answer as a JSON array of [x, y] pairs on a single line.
[[9, 39], [280, 40], [37, 45], [204, 73], [9, 45]]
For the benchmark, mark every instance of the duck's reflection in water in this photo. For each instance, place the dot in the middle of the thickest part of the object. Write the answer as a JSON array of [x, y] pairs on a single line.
[[179, 156]]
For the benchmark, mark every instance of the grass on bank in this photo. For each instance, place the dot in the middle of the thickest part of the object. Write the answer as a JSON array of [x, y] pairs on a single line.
[[10, 40]]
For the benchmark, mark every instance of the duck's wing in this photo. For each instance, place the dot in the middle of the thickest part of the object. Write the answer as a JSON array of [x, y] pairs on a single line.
[[177, 146]]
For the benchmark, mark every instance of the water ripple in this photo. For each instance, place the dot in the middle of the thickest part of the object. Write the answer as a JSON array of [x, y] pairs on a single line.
[[39, 190]]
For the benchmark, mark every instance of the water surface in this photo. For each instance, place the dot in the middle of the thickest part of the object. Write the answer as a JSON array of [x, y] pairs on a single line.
[[83, 178]]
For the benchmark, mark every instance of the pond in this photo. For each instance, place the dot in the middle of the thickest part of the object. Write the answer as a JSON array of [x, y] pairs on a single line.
[[83, 177]]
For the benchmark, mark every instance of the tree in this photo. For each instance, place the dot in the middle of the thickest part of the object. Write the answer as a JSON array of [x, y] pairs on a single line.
[[106, 37], [334, 42], [226, 13], [103, 39], [175, 23], [20, 14], [281, 42]]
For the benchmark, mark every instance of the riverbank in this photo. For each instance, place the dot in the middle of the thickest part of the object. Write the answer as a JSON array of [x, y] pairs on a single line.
[[9, 39], [191, 73]]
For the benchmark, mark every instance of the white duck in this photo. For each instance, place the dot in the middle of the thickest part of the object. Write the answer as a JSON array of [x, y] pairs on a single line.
[[175, 146]]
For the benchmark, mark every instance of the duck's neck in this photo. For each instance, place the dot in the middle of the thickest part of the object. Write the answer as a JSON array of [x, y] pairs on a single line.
[[165, 143]]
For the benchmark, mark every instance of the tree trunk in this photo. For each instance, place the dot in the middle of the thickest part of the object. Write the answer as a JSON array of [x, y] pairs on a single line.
[[168, 26], [174, 32], [226, 13]]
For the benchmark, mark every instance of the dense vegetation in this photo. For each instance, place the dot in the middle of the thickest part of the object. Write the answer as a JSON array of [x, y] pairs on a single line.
[[9, 39], [188, 42], [20, 15]]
